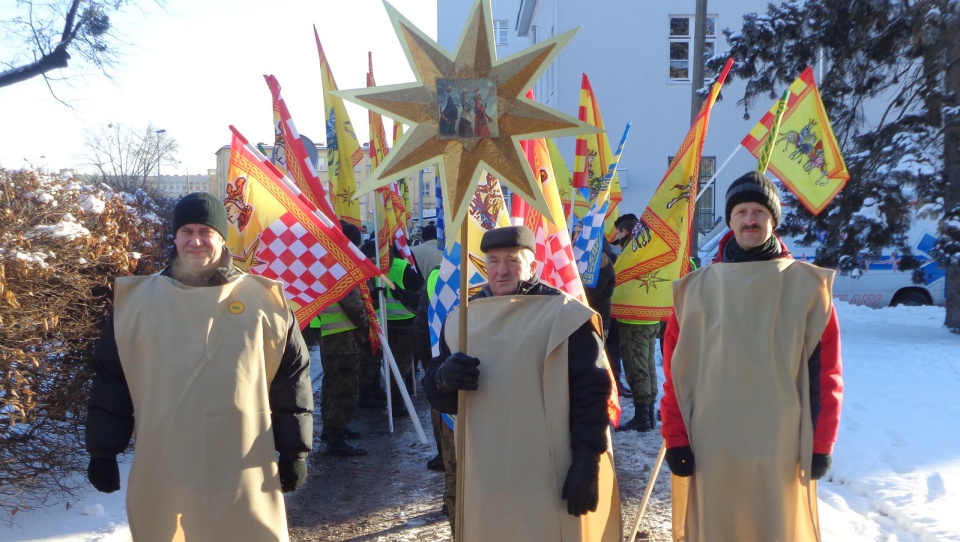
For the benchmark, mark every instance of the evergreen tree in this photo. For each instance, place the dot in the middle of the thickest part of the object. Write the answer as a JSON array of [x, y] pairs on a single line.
[[891, 85]]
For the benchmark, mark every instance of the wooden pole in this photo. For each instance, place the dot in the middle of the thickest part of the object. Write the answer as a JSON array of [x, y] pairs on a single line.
[[657, 465], [459, 426]]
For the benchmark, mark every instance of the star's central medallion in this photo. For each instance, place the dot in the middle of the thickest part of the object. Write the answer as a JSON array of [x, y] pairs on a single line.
[[467, 112]]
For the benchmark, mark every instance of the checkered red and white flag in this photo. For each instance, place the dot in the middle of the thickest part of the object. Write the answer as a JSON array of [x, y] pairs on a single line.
[[276, 232]]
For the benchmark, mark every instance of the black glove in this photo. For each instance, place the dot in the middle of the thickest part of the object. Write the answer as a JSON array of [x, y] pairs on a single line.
[[680, 461], [581, 489], [376, 290], [104, 474], [458, 372], [292, 473], [820, 465]]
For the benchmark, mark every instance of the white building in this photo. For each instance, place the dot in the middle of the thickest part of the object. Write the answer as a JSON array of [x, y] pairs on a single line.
[[636, 55]]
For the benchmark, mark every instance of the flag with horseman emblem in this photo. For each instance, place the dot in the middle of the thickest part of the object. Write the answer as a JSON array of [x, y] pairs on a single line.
[[805, 156]]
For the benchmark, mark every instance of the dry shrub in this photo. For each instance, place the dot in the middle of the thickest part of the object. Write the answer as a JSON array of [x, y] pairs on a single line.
[[61, 244]]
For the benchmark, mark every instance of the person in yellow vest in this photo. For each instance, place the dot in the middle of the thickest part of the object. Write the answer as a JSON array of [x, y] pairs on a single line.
[[401, 308], [753, 383], [205, 365], [537, 463], [343, 341]]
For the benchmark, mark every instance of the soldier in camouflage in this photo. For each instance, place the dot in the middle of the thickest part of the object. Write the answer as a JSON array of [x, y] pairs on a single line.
[[343, 338]]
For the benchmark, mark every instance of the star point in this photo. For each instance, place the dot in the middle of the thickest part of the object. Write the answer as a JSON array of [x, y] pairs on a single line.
[[488, 93]]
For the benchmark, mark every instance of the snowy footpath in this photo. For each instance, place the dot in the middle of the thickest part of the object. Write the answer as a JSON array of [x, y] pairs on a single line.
[[896, 467]]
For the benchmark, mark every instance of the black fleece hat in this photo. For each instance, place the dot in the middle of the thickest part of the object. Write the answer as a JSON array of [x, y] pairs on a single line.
[[756, 187], [200, 208], [508, 237]]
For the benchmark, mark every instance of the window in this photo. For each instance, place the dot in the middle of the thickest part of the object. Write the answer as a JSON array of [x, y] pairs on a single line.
[[681, 44], [500, 32], [707, 202], [426, 189]]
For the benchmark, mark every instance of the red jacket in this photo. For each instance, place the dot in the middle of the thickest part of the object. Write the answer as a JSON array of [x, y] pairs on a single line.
[[826, 384]]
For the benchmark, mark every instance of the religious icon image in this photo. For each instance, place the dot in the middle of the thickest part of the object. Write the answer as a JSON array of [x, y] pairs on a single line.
[[468, 108]]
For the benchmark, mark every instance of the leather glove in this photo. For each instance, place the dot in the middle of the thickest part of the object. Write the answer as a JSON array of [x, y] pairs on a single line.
[[820, 465], [458, 372], [581, 489], [104, 474], [293, 472], [680, 461]]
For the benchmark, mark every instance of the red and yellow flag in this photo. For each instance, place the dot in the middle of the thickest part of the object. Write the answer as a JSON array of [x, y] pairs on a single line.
[[290, 154], [274, 231], [343, 148], [391, 213], [660, 250], [806, 156], [554, 249], [592, 160], [565, 183]]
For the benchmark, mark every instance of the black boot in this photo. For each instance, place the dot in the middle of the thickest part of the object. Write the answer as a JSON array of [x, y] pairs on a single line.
[[640, 421], [338, 446], [652, 415], [347, 433]]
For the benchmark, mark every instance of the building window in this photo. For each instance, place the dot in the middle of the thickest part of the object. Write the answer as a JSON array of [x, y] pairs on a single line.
[[707, 202], [681, 44], [426, 189], [500, 32]]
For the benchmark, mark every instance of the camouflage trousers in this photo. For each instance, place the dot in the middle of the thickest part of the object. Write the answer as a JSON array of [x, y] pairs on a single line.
[[369, 370], [638, 343], [449, 453], [402, 344], [340, 359]]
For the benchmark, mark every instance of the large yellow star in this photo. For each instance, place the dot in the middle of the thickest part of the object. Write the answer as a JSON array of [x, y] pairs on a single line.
[[479, 87]]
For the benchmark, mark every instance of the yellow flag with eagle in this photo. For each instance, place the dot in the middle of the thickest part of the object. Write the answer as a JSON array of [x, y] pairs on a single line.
[[343, 147], [659, 252]]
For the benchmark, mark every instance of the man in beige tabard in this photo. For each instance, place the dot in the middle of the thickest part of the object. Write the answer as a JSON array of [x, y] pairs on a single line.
[[205, 367], [753, 385], [537, 463]]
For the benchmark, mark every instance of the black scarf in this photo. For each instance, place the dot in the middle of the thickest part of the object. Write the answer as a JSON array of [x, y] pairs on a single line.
[[733, 252]]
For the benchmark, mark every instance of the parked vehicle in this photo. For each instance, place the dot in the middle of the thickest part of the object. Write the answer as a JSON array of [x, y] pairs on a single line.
[[876, 283]]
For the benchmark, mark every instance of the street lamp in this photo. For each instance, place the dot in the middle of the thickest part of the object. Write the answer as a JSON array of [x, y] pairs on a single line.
[[160, 133]]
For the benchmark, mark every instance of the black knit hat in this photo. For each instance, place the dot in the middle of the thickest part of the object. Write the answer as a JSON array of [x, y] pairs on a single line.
[[351, 232], [508, 237], [200, 208], [756, 187]]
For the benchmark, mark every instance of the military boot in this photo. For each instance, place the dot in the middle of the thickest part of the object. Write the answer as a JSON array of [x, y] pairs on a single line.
[[338, 446], [641, 419], [652, 415]]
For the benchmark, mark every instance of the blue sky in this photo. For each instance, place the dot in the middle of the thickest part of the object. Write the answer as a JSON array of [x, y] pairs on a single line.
[[197, 66]]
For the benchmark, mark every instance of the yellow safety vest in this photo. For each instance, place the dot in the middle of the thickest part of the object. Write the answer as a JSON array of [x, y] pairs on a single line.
[[395, 309], [332, 320]]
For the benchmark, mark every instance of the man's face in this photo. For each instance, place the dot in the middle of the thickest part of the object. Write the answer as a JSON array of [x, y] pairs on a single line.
[[752, 224], [506, 267], [199, 246]]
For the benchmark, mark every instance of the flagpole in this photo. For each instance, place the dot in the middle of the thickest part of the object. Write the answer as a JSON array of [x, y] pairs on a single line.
[[385, 364], [460, 433], [652, 479], [703, 189]]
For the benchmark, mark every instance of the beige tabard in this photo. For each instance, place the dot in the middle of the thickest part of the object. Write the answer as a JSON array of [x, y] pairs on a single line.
[[517, 425], [747, 331], [199, 363]]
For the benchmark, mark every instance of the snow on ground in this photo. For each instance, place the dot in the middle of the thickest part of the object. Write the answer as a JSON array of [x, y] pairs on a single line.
[[896, 468]]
